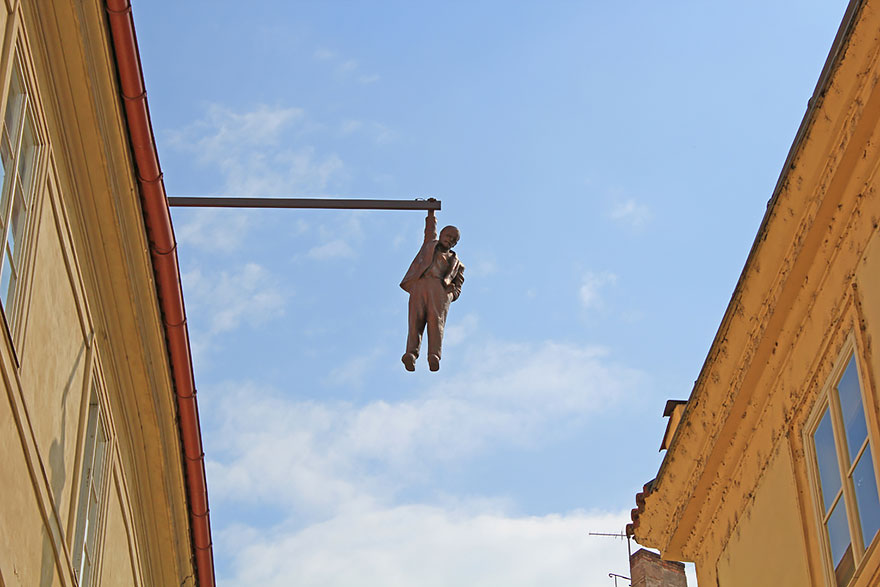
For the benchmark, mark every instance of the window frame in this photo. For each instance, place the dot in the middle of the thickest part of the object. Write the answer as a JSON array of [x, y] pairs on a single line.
[[829, 402], [16, 56], [21, 185], [88, 516]]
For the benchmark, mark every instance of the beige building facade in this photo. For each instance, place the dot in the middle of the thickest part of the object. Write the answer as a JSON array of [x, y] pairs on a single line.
[[99, 445], [770, 477]]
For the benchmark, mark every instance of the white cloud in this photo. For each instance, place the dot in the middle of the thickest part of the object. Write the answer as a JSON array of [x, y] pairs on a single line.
[[324, 54], [460, 330], [351, 126], [213, 230], [378, 132], [592, 284], [631, 212], [297, 227], [339, 238], [353, 372], [382, 134], [251, 153], [336, 452], [224, 132], [334, 249], [346, 68], [248, 295], [428, 546], [332, 472], [480, 266]]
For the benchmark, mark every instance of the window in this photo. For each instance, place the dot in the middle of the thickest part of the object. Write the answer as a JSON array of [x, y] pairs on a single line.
[[18, 148], [849, 503], [91, 483]]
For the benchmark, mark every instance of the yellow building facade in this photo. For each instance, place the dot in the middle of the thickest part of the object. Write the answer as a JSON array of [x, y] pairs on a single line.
[[99, 445], [770, 477]]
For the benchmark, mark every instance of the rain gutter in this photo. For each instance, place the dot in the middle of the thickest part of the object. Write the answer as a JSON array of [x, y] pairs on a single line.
[[163, 251]]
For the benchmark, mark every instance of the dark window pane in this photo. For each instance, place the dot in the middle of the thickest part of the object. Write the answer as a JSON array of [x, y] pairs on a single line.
[[9, 118], [852, 410], [838, 533], [17, 220], [829, 473], [14, 105], [866, 495], [843, 571], [7, 160], [5, 155], [26, 155]]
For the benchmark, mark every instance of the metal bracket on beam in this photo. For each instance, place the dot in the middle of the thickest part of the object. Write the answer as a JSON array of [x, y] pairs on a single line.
[[315, 203]]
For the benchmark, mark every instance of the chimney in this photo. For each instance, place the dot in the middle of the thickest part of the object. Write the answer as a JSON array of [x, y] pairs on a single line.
[[674, 410], [647, 569]]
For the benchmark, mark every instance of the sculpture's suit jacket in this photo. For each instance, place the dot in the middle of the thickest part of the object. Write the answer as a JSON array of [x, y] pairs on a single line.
[[454, 277]]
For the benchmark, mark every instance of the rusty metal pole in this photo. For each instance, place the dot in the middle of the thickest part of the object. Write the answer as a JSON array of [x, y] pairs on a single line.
[[314, 203]]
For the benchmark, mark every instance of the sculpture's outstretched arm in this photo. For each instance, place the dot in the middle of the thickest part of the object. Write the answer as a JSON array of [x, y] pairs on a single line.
[[430, 227]]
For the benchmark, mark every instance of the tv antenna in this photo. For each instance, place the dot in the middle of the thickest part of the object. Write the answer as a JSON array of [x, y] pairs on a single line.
[[615, 576]]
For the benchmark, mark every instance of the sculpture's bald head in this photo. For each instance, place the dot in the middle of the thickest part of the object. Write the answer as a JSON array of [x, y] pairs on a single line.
[[449, 237]]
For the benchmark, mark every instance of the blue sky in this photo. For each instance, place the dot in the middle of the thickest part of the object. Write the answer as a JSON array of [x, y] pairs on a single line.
[[608, 165]]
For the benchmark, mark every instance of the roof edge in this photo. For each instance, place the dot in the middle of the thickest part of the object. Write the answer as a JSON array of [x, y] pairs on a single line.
[[831, 62], [163, 252]]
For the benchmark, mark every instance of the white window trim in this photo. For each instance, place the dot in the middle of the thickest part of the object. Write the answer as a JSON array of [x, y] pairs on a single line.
[[849, 349], [17, 56], [92, 480]]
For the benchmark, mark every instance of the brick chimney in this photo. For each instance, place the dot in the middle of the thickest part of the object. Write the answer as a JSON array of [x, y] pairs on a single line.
[[647, 569]]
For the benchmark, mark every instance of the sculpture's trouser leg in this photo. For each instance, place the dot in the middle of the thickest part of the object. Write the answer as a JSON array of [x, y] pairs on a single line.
[[417, 317], [428, 304]]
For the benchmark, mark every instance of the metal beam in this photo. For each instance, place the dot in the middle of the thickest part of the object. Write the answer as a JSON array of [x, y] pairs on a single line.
[[319, 203]]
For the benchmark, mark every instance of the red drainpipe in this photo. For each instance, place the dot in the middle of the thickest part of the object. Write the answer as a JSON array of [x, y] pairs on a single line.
[[163, 249]]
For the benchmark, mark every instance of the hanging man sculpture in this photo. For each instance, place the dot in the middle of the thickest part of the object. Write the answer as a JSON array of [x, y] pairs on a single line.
[[433, 281]]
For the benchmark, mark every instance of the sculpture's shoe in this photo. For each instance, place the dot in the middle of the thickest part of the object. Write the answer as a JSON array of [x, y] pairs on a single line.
[[409, 361], [434, 362]]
